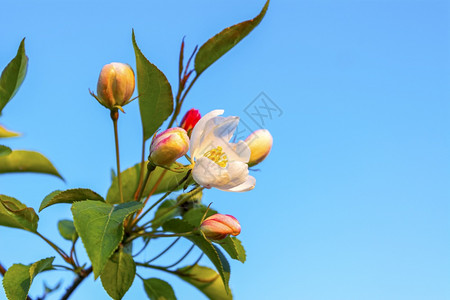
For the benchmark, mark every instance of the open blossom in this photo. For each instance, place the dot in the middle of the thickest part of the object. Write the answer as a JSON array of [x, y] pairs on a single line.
[[218, 226], [168, 146], [260, 144], [219, 163], [115, 84]]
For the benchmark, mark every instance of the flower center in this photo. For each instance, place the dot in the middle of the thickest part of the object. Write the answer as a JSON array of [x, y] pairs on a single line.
[[218, 156]]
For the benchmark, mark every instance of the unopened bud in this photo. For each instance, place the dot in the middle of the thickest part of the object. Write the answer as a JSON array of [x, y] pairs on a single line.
[[115, 84], [168, 146], [190, 119], [260, 143], [218, 226]]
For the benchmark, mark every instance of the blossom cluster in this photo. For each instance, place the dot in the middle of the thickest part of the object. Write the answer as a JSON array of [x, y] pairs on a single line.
[[215, 161]]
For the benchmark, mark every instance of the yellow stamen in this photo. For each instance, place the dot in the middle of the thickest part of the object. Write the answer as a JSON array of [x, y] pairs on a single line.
[[218, 156]]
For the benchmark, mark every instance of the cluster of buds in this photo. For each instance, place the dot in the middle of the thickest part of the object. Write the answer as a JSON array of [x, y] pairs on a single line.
[[218, 226]]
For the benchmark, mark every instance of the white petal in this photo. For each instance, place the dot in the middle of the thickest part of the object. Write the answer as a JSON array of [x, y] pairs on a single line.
[[209, 174], [244, 187], [238, 152], [217, 131], [238, 174], [199, 129], [225, 127]]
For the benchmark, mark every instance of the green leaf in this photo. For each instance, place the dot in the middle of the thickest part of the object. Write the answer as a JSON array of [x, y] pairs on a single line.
[[206, 280], [118, 274], [234, 248], [222, 42], [69, 196], [27, 161], [158, 289], [161, 216], [18, 278], [130, 181], [213, 253], [67, 230], [14, 213], [155, 93], [100, 226], [195, 215], [5, 133], [13, 76], [4, 150]]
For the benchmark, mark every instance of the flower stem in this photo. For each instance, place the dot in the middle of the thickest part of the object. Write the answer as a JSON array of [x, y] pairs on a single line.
[[141, 174], [114, 118]]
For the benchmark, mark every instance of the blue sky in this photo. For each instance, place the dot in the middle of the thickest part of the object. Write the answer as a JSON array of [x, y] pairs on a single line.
[[353, 201]]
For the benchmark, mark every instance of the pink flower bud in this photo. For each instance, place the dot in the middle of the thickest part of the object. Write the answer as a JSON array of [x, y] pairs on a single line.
[[190, 119], [115, 84], [260, 143], [168, 146], [218, 226]]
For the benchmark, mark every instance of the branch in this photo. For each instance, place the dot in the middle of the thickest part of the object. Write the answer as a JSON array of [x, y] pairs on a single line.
[[83, 274]]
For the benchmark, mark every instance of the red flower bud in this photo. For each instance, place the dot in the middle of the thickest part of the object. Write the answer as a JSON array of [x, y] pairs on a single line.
[[218, 226], [190, 119]]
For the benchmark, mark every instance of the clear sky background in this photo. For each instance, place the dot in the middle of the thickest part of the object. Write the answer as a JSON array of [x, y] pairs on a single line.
[[352, 203]]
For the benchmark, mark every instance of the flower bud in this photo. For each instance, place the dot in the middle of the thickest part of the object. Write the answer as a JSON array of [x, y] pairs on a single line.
[[218, 226], [260, 143], [115, 84], [168, 146], [190, 119]]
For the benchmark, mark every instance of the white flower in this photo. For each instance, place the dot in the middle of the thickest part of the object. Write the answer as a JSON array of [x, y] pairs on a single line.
[[219, 163]]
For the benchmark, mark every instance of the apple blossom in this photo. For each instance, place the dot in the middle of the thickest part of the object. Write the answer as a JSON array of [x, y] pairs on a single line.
[[217, 162]]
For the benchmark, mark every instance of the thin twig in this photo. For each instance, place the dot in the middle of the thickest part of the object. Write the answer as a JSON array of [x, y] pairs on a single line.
[[182, 258], [167, 249], [83, 274]]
